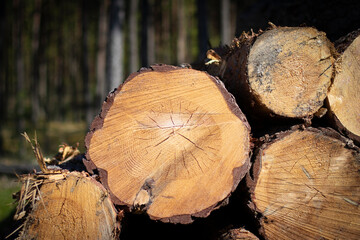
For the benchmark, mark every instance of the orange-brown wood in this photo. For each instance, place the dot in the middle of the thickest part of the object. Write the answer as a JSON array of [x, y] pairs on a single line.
[[285, 71], [170, 141], [307, 186], [67, 206], [344, 95]]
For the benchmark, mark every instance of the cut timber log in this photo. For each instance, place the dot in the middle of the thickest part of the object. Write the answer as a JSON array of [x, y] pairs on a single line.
[[238, 234], [170, 141], [66, 206], [285, 71], [306, 186], [344, 95]]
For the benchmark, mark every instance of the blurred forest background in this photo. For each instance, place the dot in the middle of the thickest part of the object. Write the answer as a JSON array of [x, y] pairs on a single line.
[[60, 58]]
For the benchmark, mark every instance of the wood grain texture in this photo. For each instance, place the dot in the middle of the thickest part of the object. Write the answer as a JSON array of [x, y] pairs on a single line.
[[307, 186], [71, 206], [170, 141], [290, 70], [344, 95], [284, 71]]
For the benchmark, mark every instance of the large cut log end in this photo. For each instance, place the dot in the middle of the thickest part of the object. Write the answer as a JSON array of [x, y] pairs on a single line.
[[344, 95], [307, 186], [170, 141]]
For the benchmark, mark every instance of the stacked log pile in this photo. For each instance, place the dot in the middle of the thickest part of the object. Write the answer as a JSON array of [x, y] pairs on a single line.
[[263, 145]]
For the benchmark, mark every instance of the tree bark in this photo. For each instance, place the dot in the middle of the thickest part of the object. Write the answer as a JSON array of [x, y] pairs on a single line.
[[283, 72], [343, 97], [115, 64], [3, 69], [305, 185], [66, 206], [162, 139]]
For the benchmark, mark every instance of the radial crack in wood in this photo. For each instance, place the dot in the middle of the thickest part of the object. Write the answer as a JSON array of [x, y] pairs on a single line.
[[307, 186], [170, 141]]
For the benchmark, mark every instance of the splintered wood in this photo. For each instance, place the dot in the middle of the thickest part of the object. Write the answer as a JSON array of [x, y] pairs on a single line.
[[67, 206], [307, 186], [344, 95], [170, 141]]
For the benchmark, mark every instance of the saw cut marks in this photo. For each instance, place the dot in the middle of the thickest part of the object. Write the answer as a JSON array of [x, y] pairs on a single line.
[[69, 206], [290, 69], [308, 186], [344, 95], [172, 133], [170, 141]]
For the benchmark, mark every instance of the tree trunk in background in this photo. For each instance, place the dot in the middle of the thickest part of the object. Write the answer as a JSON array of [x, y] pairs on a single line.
[[151, 33], [35, 97], [85, 64], [3, 99], [133, 32], [59, 111], [181, 40], [225, 22], [203, 36], [164, 48], [114, 62], [147, 34], [144, 32], [101, 54], [20, 72]]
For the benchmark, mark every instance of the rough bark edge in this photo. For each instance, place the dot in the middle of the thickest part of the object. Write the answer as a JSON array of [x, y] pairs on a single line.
[[56, 177], [341, 45], [344, 42], [238, 52], [238, 173], [253, 175]]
